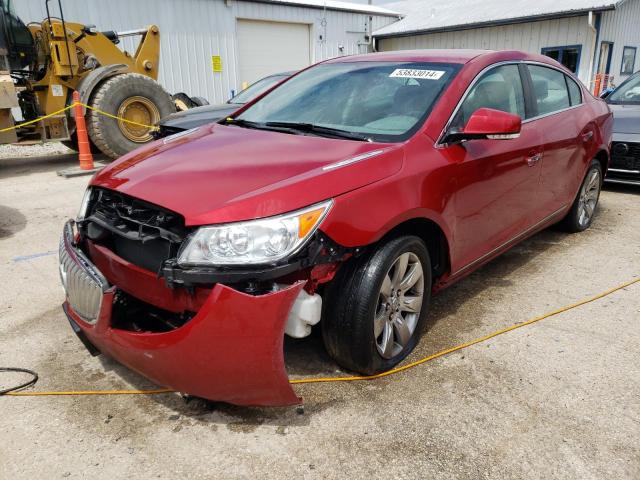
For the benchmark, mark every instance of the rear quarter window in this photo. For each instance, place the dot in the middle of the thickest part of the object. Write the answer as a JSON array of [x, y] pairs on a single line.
[[549, 89], [575, 93]]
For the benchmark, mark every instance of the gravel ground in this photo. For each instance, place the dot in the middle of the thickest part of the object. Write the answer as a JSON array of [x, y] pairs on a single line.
[[558, 399]]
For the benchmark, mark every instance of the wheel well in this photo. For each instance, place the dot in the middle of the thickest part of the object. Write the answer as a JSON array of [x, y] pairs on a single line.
[[433, 236], [603, 157]]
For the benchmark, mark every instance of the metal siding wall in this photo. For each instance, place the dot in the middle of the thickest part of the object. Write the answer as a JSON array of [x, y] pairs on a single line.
[[622, 27], [193, 30], [529, 37]]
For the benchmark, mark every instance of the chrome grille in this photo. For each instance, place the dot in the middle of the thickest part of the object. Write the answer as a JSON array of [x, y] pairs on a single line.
[[82, 282], [625, 155]]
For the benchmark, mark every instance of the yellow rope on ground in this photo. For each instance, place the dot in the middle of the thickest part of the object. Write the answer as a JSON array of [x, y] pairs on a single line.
[[91, 392], [364, 377], [57, 112]]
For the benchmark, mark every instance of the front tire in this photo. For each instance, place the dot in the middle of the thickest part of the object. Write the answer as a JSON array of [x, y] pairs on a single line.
[[582, 212], [375, 308], [131, 96]]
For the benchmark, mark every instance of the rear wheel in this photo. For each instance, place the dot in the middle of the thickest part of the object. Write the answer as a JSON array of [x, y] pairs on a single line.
[[376, 306], [182, 101], [200, 101], [133, 97], [72, 144], [584, 206]]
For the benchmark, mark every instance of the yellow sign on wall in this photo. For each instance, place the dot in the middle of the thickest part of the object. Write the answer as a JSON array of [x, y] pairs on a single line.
[[216, 63]]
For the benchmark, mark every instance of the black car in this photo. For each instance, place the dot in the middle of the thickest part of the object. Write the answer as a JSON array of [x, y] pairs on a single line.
[[194, 117], [625, 149]]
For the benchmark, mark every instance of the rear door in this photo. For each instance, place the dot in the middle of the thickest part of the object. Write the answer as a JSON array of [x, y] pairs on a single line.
[[566, 131], [496, 180]]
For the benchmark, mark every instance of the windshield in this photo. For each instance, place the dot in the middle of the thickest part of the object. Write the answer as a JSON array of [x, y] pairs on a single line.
[[384, 101], [256, 89], [628, 92]]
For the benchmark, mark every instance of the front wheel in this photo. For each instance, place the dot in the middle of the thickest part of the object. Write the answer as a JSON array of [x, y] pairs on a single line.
[[584, 206], [376, 306]]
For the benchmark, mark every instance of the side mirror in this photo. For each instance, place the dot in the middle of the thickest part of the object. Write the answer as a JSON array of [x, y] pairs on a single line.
[[606, 93], [487, 123]]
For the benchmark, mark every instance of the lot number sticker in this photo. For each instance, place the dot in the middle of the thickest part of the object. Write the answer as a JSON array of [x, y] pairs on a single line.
[[412, 73]]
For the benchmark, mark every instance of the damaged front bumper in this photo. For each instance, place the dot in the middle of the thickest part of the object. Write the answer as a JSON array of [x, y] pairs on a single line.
[[231, 350]]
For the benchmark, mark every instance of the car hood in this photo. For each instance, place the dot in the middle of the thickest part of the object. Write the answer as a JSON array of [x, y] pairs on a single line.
[[195, 117], [221, 173], [626, 118]]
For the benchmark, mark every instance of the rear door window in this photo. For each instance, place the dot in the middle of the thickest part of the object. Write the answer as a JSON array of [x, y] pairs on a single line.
[[549, 89], [498, 89]]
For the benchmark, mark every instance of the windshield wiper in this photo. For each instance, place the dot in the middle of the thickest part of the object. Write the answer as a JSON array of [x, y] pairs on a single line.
[[320, 130], [240, 122]]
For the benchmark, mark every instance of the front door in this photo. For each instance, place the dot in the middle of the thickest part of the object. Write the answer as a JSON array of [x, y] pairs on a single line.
[[496, 180]]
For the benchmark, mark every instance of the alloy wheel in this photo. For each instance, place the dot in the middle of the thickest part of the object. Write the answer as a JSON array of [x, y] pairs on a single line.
[[399, 304], [589, 194], [139, 112]]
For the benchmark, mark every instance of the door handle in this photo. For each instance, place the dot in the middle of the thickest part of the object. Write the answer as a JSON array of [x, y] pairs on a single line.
[[587, 136], [534, 159]]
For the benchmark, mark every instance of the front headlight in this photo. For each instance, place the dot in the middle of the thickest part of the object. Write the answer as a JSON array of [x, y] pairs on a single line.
[[254, 242], [84, 205]]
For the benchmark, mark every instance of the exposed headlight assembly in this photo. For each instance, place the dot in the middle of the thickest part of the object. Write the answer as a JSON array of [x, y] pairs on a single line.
[[261, 241], [82, 213]]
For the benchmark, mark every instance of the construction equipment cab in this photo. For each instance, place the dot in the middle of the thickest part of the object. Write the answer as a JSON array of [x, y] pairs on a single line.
[[42, 63]]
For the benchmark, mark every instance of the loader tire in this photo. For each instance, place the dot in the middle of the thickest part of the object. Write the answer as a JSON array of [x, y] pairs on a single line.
[[134, 97], [72, 144]]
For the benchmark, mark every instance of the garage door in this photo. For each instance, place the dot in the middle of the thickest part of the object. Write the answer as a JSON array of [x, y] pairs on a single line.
[[265, 48]]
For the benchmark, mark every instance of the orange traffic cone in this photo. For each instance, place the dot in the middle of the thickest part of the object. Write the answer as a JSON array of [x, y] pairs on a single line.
[[84, 148]]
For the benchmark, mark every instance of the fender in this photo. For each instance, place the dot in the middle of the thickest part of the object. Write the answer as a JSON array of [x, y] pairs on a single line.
[[94, 78]]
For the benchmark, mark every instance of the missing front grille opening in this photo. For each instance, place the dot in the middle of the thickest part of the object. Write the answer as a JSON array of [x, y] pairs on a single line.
[[134, 315]]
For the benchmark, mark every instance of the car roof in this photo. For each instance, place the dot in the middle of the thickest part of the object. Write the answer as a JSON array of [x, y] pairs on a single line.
[[449, 56], [460, 56]]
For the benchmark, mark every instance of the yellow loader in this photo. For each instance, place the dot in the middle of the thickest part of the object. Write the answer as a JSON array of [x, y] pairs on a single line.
[[41, 64]]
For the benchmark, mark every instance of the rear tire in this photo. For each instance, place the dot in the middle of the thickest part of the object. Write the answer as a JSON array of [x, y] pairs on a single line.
[[582, 212], [182, 101], [200, 101], [365, 326], [132, 96], [72, 144]]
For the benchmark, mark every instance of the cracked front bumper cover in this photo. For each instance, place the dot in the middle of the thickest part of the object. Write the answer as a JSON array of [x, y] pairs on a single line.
[[230, 351]]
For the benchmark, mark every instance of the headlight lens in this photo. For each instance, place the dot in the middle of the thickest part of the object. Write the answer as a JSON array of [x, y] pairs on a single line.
[[254, 242], [84, 205]]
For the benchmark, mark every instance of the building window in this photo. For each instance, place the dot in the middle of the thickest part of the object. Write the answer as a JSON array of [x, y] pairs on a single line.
[[568, 56], [628, 60], [604, 60]]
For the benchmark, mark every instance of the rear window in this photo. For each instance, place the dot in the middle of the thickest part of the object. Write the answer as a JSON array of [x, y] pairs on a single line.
[[549, 89]]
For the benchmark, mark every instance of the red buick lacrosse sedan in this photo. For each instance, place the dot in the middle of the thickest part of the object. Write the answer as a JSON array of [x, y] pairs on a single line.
[[343, 197]]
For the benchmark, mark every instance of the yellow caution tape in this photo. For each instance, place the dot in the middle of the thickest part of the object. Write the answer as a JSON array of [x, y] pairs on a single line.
[[57, 112], [358, 377]]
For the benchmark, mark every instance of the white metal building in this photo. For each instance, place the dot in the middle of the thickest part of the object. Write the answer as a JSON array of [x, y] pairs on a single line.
[[588, 36], [251, 38]]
